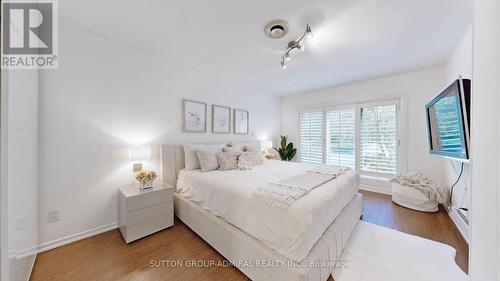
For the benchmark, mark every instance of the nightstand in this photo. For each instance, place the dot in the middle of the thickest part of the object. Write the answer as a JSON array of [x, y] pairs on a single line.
[[144, 212]]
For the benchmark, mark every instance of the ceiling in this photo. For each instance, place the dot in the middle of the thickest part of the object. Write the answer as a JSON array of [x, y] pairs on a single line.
[[353, 39]]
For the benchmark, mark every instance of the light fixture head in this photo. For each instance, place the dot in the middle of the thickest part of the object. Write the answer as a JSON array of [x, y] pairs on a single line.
[[309, 32], [295, 47]]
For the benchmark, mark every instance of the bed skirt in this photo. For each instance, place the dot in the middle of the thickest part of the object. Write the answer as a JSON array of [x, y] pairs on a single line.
[[259, 262]]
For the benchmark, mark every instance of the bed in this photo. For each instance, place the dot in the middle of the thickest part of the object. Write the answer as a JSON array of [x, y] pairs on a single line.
[[265, 243]]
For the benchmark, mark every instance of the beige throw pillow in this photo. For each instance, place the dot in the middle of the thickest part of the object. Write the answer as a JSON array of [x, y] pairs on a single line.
[[245, 161], [227, 160], [208, 160]]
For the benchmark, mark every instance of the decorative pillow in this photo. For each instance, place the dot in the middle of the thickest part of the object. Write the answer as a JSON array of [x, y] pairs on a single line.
[[227, 160], [208, 160], [245, 161], [252, 147], [190, 157], [256, 150], [232, 149], [235, 145]]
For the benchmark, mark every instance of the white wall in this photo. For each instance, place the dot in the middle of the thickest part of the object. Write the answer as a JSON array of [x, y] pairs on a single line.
[[485, 197], [19, 153], [460, 60], [460, 63], [417, 88], [104, 97], [4, 222]]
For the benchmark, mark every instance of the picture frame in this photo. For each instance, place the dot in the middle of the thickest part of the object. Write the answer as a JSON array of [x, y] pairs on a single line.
[[241, 121], [194, 116], [221, 119]]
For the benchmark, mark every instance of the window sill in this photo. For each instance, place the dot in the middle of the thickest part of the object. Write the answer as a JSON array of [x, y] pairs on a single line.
[[375, 184]]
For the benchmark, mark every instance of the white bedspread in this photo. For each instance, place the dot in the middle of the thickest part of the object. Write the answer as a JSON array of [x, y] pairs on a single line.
[[292, 233]]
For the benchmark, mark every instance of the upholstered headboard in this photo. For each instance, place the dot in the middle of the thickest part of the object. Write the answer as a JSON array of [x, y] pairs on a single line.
[[172, 161]]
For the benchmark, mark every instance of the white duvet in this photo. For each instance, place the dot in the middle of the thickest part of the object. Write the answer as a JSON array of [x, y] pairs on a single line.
[[292, 233]]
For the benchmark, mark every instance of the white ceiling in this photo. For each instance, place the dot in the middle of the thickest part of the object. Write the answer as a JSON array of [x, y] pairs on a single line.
[[353, 39]]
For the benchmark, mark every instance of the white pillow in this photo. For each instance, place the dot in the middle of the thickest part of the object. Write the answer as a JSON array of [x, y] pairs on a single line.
[[235, 145], [256, 150], [190, 158], [252, 147], [208, 160], [233, 149], [246, 146]]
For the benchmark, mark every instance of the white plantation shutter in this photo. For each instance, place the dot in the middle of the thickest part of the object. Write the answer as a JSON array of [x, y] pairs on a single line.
[[341, 137], [311, 137], [378, 140]]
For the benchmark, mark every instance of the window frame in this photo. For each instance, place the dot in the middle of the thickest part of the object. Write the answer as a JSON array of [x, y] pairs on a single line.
[[401, 132]]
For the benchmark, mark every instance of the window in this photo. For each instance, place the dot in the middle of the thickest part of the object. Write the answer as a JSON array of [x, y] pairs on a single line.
[[361, 136], [311, 137], [378, 140], [341, 135]]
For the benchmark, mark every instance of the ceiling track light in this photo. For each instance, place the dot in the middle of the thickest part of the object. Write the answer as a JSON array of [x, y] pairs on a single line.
[[294, 46]]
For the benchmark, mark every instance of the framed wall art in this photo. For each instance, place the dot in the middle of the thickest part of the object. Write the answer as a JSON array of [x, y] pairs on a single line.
[[221, 119], [194, 116], [240, 121]]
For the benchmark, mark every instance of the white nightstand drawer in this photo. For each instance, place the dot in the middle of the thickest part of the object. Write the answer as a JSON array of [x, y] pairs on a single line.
[[147, 228], [143, 212], [148, 198], [149, 213]]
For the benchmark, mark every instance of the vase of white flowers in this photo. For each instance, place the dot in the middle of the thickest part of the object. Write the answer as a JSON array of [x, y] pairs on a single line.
[[145, 179]]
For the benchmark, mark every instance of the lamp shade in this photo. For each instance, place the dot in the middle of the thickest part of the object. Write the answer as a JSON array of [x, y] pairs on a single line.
[[266, 145], [139, 153]]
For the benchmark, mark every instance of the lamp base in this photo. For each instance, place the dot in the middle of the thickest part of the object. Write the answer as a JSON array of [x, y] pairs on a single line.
[[145, 185]]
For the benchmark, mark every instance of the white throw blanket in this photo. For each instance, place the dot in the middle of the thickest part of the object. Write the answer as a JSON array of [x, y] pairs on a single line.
[[425, 185], [329, 170], [284, 193]]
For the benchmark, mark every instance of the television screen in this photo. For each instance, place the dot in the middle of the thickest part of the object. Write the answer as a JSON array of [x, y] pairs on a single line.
[[448, 122]]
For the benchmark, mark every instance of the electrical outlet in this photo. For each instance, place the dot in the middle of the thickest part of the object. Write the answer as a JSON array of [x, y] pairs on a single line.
[[54, 215]]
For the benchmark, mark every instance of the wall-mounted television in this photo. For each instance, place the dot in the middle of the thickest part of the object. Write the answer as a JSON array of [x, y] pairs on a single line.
[[448, 119]]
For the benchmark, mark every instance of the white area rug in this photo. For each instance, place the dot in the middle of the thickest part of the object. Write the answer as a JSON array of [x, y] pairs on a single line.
[[377, 253]]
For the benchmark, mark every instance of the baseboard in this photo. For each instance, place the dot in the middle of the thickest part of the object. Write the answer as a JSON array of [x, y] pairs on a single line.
[[18, 256], [31, 268], [75, 237], [462, 227], [24, 253], [33, 251], [376, 188]]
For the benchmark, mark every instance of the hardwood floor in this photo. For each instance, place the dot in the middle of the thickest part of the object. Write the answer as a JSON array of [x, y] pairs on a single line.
[[107, 257]]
